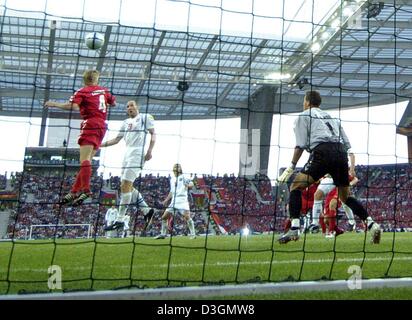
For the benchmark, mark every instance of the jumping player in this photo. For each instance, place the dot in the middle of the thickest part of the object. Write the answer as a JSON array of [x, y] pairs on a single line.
[[92, 100], [133, 131]]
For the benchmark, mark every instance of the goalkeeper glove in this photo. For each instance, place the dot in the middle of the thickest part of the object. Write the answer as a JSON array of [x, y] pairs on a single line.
[[284, 177]]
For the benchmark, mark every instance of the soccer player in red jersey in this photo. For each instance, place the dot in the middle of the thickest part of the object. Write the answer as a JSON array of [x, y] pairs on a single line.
[[332, 204], [92, 100], [328, 218]]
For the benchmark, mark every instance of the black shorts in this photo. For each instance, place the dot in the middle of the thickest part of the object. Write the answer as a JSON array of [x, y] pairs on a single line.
[[329, 158]]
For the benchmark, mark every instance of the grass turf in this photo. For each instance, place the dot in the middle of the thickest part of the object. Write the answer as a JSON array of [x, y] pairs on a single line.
[[113, 263]]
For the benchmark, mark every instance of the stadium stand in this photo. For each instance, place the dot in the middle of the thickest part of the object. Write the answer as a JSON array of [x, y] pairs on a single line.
[[3, 181], [385, 190]]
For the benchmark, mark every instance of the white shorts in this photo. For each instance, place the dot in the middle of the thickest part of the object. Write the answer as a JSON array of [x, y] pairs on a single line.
[[326, 186], [178, 206], [131, 168]]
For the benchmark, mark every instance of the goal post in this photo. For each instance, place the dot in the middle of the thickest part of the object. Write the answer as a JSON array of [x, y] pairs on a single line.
[[61, 227]]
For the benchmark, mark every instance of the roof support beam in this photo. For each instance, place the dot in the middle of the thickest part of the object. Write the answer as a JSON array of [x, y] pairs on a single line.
[[74, 42], [398, 2], [400, 62], [313, 57], [65, 115], [387, 24], [406, 120], [245, 67], [361, 76], [375, 44], [162, 100], [130, 76], [48, 81], [290, 103], [148, 68], [103, 50]]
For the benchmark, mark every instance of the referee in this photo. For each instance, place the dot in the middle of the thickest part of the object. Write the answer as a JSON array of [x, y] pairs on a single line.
[[324, 138]]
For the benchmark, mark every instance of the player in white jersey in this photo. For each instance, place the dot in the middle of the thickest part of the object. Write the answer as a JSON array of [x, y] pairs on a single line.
[[179, 202], [110, 217], [133, 131]]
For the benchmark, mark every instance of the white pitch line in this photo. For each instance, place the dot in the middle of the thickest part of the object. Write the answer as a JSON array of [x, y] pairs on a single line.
[[217, 264]]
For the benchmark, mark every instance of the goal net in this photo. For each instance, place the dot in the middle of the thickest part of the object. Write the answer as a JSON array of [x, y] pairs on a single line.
[[219, 85]]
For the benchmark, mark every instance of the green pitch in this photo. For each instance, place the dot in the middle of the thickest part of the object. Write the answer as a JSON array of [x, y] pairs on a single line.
[[144, 262]]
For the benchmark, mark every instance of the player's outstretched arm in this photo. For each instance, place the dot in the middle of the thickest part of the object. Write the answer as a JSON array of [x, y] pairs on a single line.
[[284, 177], [354, 181], [352, 164], [111, 142], [63, 106]]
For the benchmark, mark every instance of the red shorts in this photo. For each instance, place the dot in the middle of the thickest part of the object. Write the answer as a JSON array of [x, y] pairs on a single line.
[[331, 195], [92, 132], [306, 206]]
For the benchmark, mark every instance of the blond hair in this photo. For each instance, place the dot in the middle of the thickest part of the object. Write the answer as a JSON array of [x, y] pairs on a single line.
[[91, 77]]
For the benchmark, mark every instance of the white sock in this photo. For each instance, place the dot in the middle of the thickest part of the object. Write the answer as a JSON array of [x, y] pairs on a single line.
[[369, 222], [164, 228], [138, 199], [295, 223], [306, 220], [349, 213], [191, 226], [124, 202], [316, 211]]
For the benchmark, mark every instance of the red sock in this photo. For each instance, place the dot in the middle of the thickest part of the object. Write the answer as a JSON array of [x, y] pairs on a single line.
[[85, 175], [332, 221], [287, 226], [322, 224], [77, 184], [170, 224]]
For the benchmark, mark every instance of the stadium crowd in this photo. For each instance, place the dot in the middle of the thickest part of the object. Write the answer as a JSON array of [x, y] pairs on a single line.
[[386, 192], [3, 181]]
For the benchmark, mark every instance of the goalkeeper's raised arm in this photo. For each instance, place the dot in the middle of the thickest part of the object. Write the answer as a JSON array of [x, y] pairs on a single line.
[[284, 177]]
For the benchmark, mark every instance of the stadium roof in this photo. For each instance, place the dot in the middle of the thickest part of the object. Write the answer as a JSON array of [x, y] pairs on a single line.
[[352, 62]]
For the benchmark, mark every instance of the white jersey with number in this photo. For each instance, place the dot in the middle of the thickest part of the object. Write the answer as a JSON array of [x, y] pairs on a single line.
[[179, 189], [134, 131]]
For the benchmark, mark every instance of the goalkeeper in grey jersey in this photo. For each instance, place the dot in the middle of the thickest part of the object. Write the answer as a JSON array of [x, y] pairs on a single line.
[[324, 138]]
